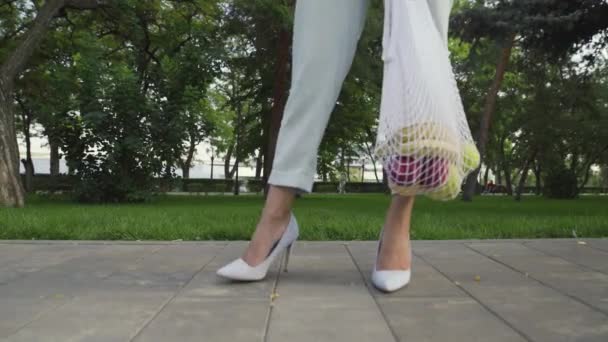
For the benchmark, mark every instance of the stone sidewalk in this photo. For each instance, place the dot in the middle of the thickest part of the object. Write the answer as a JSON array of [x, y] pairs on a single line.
[[490, 290]]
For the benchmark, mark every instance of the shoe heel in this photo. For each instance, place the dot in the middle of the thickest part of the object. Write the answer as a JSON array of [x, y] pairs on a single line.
[[287, 254]]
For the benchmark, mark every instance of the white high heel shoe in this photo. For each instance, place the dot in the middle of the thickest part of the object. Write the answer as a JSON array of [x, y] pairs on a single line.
[[241, 271], [390, 280]]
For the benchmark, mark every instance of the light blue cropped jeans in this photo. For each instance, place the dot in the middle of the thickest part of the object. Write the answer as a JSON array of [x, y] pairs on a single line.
[[326, 33]]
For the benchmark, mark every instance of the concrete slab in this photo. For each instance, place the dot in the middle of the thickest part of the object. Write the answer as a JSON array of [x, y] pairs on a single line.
[[170, 267], [208, 319], [587, 286], [112, 316], [470, 290], [579, 252], [12, 254], [22, 260], [601, 244], [327, 319], [536, 311], [444, 319], [322, 297], [17, 312], [84, 270]]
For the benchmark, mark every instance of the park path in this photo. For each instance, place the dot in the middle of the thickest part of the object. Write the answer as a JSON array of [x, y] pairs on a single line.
[[477, 290]]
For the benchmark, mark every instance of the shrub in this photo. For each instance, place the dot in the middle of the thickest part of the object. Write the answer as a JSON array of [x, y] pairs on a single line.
[[561, 183]]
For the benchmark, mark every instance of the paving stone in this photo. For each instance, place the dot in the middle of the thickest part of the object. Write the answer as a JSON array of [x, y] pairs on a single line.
[[39, 258], [327, 319], [321, 270], [77, 274], [601, 244], [111, 291], [169, 267], [208, 319], [539, 312], [427, 319], [573, 251], [586, 285], [17, 312], [100, 317], [323, 297], [11, 254]]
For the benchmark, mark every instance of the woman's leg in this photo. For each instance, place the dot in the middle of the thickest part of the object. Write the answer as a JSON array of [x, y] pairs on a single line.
[[273, 221], [325, 40], [394, 253]]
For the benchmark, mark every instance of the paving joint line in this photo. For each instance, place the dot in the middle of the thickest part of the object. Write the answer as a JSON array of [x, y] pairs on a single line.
[[567, 260], [598, 248], [271, 302], [527, 275], [41, 315], [137, 261], [490, 310], [37, 317], [172, 298], [29, 274], [369, 292], [23, 275]]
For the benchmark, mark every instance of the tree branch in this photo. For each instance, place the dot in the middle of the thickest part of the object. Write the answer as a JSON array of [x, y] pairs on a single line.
[[86, 4]]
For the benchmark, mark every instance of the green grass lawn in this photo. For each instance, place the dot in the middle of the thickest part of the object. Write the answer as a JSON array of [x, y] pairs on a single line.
[[321, 217]]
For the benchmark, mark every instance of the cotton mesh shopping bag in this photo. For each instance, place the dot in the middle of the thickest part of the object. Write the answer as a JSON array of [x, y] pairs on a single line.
[[424, 141]]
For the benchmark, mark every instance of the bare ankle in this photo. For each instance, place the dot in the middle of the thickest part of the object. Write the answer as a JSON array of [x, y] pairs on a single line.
[[272, 217]]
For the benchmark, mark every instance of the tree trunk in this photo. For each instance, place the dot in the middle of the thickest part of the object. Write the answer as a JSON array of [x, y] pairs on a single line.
[[537, 175], [587, 170], [342, 163], [259, 165], [504, 168], [187, 163], [376, 173], [212, 165], [485, 176], [348, 170], [587, 173], [522, 178], [498, 176], [508, 180], [385, 181], [370, 154], [279, 99], [227, 157], [11, 189], [28, 163], [522, 182], [363, 173], [486, 117], [54, 157], [228, 171]]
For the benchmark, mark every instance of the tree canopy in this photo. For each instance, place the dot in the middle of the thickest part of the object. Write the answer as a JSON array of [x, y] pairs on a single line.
[[126, 90]]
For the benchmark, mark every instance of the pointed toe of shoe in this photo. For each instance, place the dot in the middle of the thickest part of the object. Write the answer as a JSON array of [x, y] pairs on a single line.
[[239, 270], [390, 281]]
